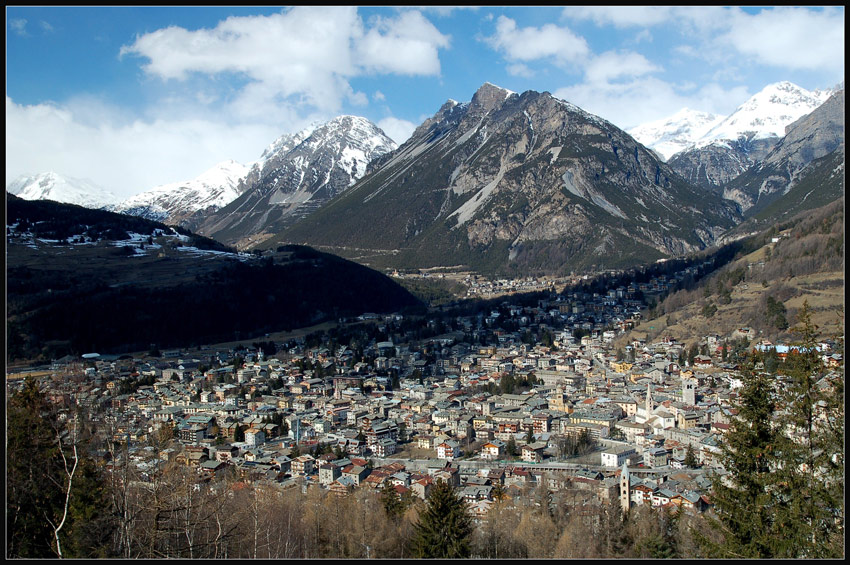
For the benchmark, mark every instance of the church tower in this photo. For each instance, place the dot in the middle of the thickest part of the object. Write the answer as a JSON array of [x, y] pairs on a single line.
[[689, 392], [625, 493]]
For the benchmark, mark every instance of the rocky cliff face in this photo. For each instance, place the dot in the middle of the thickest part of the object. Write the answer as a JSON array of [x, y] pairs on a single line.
[[296, 175], [745, 137], [517, 182], [718, 163], [808, 139]]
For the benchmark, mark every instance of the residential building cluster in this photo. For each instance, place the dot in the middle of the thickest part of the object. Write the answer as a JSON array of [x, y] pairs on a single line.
[[479, 406]]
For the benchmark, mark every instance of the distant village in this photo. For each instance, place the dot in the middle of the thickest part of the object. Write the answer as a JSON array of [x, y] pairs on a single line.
[[477, 404]]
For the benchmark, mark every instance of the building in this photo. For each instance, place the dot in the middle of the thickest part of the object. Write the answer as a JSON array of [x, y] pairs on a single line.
[[303, 465], [533, 453], [493, 450], [689, 392], [656, 457], [328, 473], [449, 449], [617, 457], [625, 488]]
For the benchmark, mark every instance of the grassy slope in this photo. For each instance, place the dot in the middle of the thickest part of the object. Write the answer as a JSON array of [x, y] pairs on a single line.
[[807, 264]]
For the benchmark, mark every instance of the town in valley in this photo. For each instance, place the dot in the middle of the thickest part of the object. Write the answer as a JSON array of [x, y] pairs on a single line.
[[497, 403]]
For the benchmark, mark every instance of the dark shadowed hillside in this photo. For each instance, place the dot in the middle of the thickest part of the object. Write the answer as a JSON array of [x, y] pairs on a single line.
[[128, 283]]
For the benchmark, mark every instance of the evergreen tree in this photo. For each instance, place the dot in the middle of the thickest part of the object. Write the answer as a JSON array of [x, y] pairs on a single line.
[[444, 528], [391, 501], [55, 503], [811, 478], [690, 457], [783, 497], [743, 500], [510, 447]]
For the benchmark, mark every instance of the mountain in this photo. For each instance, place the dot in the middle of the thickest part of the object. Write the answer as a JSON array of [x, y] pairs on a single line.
[[515, 183], [746, 136], [59, 188], [804, 170], [81, 280], [296, 175], [185, 203], [676, 133], [808, 144]]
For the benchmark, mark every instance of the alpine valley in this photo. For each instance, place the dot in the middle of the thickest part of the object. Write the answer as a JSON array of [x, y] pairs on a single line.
[[513, 184]]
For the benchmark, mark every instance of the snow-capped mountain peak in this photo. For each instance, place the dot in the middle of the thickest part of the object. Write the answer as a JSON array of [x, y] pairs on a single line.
[[61, 188], [299, 173], [767, 113], [670, 135], [211, 190]]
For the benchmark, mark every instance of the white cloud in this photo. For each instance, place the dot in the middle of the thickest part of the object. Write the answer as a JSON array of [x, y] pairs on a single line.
[[520, 70], [404, 45], [790, 37], [19, 26], [304, 55], [122, 155], [620, 16], [613, 65], [634, 102], [398, 130], [548, 42], [643, 35]]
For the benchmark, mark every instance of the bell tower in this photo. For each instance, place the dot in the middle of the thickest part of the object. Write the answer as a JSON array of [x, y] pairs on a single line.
[[625, 494]]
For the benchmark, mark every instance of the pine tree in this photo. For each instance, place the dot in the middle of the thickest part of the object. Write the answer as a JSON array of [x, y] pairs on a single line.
[[690, 457], [811, 478], [510, 447], [743, 498], [444, 528], [391, 501]]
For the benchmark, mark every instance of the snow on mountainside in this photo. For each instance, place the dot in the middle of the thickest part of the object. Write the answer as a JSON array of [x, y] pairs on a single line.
[[668, 136], [59, 188], [746, 136], [296, 175], [764, 116], [767, 113], [210, 191]]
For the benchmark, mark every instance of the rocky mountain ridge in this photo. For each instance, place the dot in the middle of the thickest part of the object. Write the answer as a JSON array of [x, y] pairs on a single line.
[[808, 143], [296, 175], [746, 136], [517, 181]]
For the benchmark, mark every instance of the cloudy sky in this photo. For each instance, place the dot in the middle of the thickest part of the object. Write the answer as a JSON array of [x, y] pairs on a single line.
[[134, 97]]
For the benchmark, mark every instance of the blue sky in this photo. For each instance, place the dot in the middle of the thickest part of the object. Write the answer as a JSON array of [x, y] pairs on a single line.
[[134, 97]]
